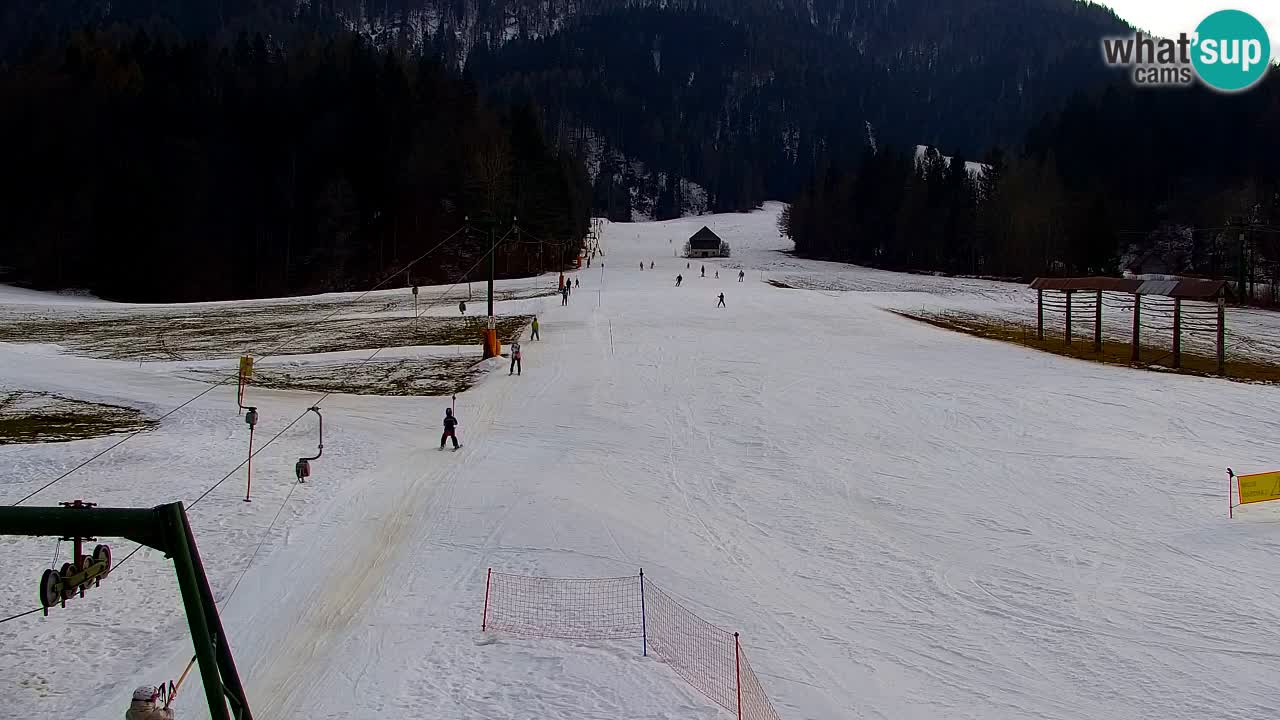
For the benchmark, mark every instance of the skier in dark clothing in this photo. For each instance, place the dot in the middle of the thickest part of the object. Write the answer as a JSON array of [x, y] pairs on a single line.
[[688, 266], [564, 296], [717, 274], [462, 306], [721, 301], [740, 275], [704, 271], [516, 366], [577, 282], [650, 264], [679, 279], [450, 432]]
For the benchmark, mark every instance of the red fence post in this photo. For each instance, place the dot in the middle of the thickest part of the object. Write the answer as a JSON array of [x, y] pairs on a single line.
[[484, 619], [737, 669]]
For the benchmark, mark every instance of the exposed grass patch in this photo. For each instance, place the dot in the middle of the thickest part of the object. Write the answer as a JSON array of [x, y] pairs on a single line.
[[1113, 352], [399, 377], [34, 417], [203, 333], [780, 284]]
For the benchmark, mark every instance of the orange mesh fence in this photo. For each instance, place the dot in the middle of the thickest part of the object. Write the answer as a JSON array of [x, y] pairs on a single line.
[[709, 658], [755, 704], [564, 608], [698, 651]]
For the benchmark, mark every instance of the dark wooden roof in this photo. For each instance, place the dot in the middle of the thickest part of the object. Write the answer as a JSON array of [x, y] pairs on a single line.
[[1186, 288], [1105, 284], [705, 239]]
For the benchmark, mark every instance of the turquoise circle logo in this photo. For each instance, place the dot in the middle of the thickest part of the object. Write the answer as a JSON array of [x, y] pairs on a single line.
[[1232, 50]]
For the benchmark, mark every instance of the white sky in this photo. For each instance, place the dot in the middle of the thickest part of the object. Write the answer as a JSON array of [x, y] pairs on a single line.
[[1167, 18]]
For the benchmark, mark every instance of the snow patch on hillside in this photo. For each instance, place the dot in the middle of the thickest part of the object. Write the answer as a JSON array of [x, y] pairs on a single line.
[[974, 168]]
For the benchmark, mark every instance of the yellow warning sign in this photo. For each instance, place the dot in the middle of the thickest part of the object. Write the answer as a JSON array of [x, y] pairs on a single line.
[[1259, 487], [246, 368]]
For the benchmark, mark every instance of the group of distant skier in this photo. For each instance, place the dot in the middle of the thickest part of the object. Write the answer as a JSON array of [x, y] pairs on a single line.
[[703, 271], [567, 286]]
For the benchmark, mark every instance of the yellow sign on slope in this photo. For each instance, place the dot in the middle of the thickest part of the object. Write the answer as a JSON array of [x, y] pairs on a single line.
[[1259, 487]]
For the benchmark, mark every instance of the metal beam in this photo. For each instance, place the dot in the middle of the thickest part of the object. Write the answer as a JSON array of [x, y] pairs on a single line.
[[143, 526], [165, 528], [201, 638]]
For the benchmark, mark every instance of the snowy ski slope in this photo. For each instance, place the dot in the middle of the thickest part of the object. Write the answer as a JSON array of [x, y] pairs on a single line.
[[902, 522]]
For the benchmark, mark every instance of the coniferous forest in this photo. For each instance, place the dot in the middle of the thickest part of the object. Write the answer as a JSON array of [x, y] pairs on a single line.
[[1167, 180], [246, 148], [148, 170]]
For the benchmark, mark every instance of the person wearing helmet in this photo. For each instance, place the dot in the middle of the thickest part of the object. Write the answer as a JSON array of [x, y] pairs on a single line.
[[144, 706], [450, 429]]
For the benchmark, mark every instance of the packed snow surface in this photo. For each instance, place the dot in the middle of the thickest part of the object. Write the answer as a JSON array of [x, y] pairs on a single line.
[[901, 521]]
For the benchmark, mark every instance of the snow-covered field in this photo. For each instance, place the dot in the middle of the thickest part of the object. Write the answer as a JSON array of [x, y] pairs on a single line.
[[902, 522]]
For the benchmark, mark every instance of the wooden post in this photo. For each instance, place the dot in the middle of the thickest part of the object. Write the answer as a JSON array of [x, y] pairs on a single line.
[[1177, 332], [1222, 336], [1097, 323], [1068, 324], [1135, 352], [1039, 314]]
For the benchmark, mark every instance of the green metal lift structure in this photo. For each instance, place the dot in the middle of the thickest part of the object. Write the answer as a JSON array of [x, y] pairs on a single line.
[[165, 528]]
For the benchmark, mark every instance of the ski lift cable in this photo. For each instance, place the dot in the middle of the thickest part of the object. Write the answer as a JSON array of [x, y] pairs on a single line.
[[219, 383], [114, 567], [262, 541], [321, 399], [262, 447], [20, 615]]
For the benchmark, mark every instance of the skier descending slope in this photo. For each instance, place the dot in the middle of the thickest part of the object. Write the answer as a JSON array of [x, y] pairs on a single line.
[[516, 365], [450, 432]]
